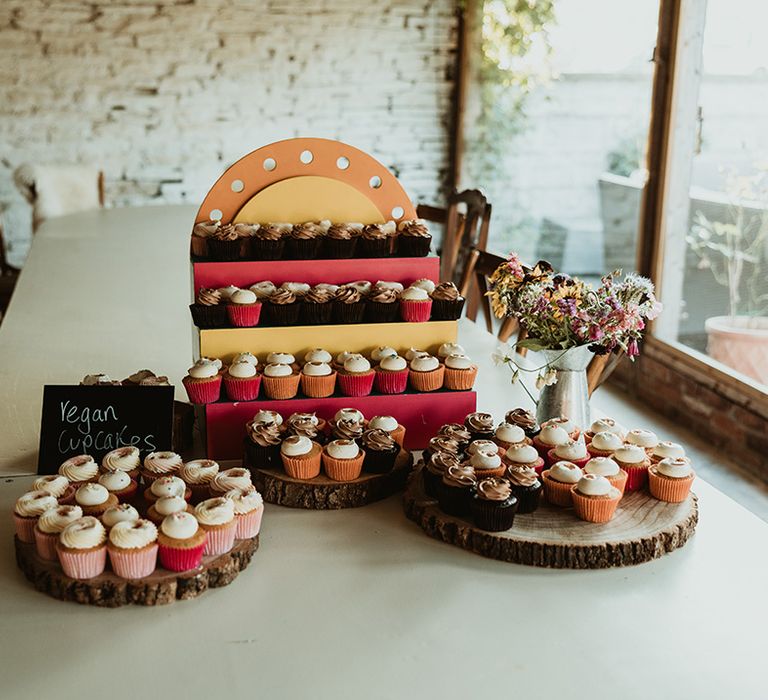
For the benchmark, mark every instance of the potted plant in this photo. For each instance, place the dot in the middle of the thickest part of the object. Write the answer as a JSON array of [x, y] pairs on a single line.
[[735, 252]]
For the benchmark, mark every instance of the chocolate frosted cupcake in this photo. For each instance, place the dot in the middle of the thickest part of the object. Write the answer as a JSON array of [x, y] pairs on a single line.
[[382, 305], [526, 487], [267, 243], [225, 245], [348, 305], [201, 233], [458, 433], [525, 419], [455, 488], [381, 451], [303, 241], [262, 444], [308, 425], [348, 429], [447, 303], [493, 505], [442, 443], [434, 468], [341, 241], [283, 308], [480, 425], [317, 307], [413, 239], [376, 240]]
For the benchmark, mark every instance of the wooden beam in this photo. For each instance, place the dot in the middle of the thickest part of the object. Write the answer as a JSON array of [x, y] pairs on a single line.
[[465, 12]]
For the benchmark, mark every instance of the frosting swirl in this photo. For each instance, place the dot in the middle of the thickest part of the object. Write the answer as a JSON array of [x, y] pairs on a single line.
[[244, 500], [55, 484], [83, 533], [305, 424], [123, 459], [281, 297], [461, 476], [378, 440], [347, 294], [606, 425], [199, 471], [413, 227], [208, 297], [443, 443], [675, 467], [494, 489], [34, 503], [162, 463], [522, 418], [384, 295], [215, 511], [479, 422], [522, 476], [348, 429], [440, 461], [296, 446], [446, 291], [264, 434], [235, 478], [132, 535], [54, 520], [456, 432], [206, 228], [80, 468], [122, 513], [393, 363]]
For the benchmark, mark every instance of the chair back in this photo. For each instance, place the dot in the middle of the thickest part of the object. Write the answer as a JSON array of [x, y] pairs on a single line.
[[468, 221]]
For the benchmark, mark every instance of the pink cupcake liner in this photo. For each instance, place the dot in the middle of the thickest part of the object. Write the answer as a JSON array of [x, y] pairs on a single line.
[[203, 392], [133, 563], [180, 559], [244, 316], [249, 524], [356, 384], [392, 382], [415, 311], [242, 389], [83, 565], [637, 477], [25, 528], [220, 540], [45, 543]]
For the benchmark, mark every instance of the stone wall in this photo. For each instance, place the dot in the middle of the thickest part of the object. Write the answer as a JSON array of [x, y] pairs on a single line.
[[165, 95]]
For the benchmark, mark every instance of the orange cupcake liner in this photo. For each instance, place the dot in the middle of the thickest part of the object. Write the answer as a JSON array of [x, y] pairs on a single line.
[[556, 492], [594, 452], [593, 510], [303, 467], [279, 388], [318, 387], [669, 490], [619, 481], [398, 434], [427, 381], [488, 473], [460, 379], [343, 469]]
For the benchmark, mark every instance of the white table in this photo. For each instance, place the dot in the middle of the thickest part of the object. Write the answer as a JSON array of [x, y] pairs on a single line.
[[348, 604]]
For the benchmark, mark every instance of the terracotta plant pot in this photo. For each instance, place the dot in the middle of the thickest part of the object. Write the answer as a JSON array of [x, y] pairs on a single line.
[[741, 343]]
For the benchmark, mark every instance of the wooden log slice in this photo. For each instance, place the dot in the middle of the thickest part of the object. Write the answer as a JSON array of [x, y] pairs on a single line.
[[160, 588], [642, 529], [322, 493]]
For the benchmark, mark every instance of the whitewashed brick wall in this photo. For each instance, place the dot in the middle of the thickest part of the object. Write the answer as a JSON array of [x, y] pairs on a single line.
[[164, 95]]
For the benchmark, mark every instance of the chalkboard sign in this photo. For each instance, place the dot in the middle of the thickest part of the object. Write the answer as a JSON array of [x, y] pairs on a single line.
[[96, 419]]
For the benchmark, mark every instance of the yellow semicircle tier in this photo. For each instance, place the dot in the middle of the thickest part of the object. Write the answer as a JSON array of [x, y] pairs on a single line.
[[309, 198]]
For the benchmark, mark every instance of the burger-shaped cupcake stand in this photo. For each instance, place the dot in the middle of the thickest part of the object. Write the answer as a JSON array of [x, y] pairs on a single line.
[[311, 180]]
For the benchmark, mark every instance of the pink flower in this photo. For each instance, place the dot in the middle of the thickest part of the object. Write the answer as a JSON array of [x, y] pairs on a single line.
[[655, 310], [515, 266], [632, 349]]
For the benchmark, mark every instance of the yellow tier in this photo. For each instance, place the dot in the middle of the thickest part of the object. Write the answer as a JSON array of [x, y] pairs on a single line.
[[225, 343]]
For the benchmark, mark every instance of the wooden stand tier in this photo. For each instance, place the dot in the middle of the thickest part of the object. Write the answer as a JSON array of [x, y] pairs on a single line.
[[322, 493], [111, 591], [642, 529]]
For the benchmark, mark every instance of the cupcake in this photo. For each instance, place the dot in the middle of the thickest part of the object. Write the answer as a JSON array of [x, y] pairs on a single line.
[[348, 428], [380, 451], [605, 466], [227, 292], [301, 457], [444, 444], [225, 245], [460, 373], [121, 513], [523, 455], [49, 527], [415, 305], [481, 446], [456, 432], [594, 499], [283, 358], [304, 240], [181, 542], [391, 375], [317, 307], [266, 416], [382, 305], [385, 284], [244, 309], [300, 289], [163, 507], [426, 373], [356, 377], [28, 509], [283, 308], [139, 378], [157, 464], [208, 311], [558, 481], [574, 451], [550, 437], [480, 425], [493, 505], [379, 353], [455, 488], [123, 459], [120, 484], [390, 426], [201, 233], [263, 290], [249, 510], [348, 305], [267, 243], [348, 413], [58, 486], [167, 486], [446, 349], [228, 479], [203, 382], [634, 460], [216, 517], [670, 479], [604, 444], [566, 424], [281, 381], [487, 464], [318, 380], [447, 303], [343, 460], [413, 239], [80, 470], [307, 425], [375, 241], [197, 474], [132, 549], [318, 355], [525, 420], [434, 468], [507, 435], [643, 438], [82, 548], [340, 241], [94, 499], [605, 425], [526, 487], [664, 450], [242, 381]]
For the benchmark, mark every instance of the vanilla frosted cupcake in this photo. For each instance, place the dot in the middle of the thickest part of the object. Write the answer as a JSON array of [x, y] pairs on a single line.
[[94, 499], [606, 425], [646, 439], [318, 355], [566, 424], [28, 508], [122, 513], [521, 454], [157, 464], [634, 460], [670, 480], [664, 450], [379, 353], [343, 460], [58, 486], [605, 466], [165, 506], [604, 444], [426, 373], [181, 542], [123, 459], [574, 451], [415, 305], [558, 481], [49, 527], [82, 548], [281, 380], [249, 510], [595, 499], [318, 379], [79, 470], [133, 548], [216, 517], [391, 374], [198, 474], [507, 435], [356, 377], [549, 437], [460, 372], [481, 446], [301, 457], [228, 479], [164, 487], [120, 484], [242, 381], [487, 464]]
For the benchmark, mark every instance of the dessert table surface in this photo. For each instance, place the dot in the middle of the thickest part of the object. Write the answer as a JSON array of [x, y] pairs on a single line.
[[343, 604]]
